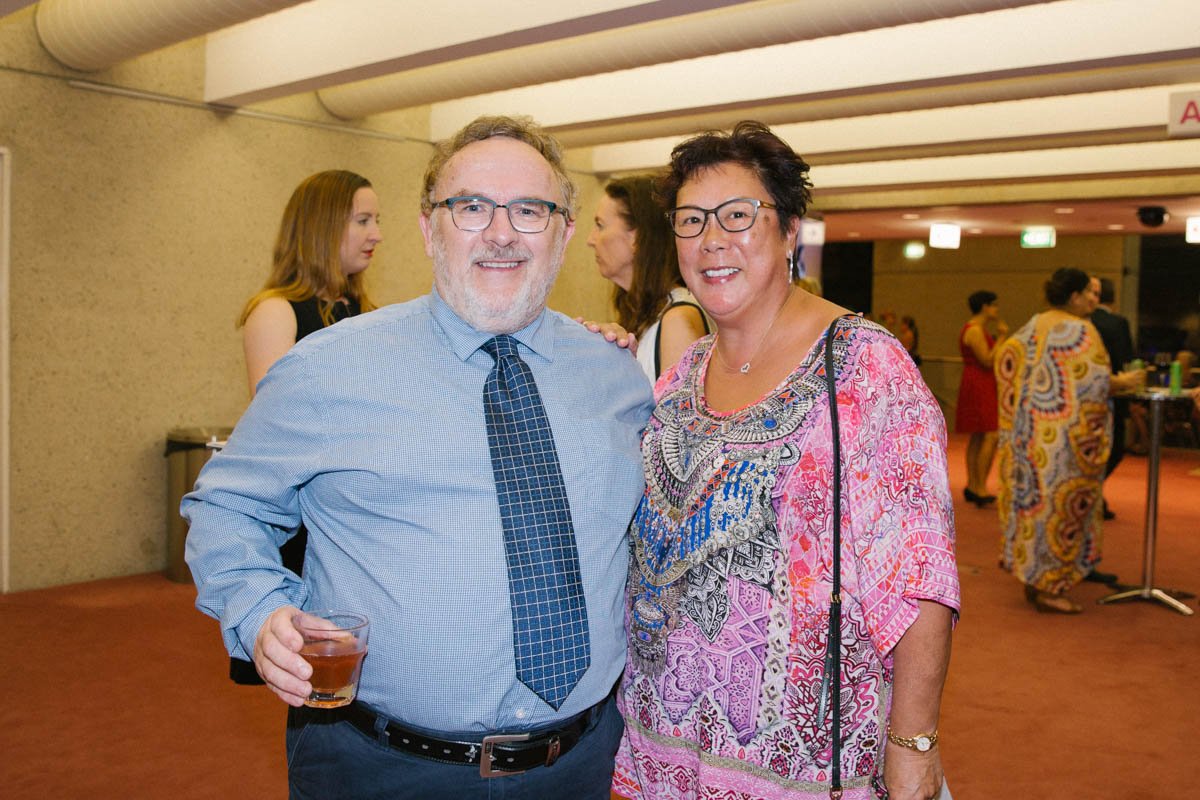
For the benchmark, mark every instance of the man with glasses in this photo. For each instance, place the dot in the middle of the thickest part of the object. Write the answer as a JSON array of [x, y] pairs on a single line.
[[466, 464]]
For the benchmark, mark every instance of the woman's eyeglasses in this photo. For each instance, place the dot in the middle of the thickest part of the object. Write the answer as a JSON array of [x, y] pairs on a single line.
[[733, 215]]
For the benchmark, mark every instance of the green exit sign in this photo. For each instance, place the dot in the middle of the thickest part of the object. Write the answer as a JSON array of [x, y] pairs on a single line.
[[1037, 236]]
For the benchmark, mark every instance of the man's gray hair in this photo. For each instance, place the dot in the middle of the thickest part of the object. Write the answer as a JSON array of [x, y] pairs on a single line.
[[523, 129]]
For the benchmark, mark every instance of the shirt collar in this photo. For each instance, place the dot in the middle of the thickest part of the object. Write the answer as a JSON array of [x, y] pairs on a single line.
[[538, 335]]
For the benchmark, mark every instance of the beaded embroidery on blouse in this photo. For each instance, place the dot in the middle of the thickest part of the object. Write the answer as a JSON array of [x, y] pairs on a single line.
[[707, 513]]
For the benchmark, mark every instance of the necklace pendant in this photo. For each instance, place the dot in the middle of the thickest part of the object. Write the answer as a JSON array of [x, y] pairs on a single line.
[[745, 368]]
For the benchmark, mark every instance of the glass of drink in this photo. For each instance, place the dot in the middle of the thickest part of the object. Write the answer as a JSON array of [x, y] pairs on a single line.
[[334, 645]]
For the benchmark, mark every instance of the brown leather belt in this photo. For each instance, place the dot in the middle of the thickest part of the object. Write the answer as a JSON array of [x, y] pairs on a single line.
[[497, 755]]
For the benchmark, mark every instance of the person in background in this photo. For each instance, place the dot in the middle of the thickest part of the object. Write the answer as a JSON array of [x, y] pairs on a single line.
[[1118, 341], [1054, 382], [976, 410], [636, 251], [909, 337], [326, 239], [731, 578], [328, 235], [439, 451]]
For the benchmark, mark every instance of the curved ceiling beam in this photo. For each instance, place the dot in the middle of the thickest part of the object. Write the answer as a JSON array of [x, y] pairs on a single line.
[[746, 26], [87, 35]]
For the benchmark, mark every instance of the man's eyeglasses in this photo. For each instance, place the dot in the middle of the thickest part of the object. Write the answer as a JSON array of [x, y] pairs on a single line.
[[733, 215], [474, 214]]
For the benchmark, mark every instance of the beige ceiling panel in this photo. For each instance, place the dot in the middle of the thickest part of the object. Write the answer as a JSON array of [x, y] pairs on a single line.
[[738, 27], [1123, 160], [1099, 114], [1027, 41], [328, 42], [1183, 71]]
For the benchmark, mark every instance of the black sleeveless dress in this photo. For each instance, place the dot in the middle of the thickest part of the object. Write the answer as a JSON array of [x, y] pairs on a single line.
[[308, 320]]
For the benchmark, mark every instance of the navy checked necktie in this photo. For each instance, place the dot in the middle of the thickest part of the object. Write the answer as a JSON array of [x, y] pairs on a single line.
[[550, 632]]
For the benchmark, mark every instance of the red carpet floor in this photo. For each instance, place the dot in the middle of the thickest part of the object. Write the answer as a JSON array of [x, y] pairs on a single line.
[[117, 689]]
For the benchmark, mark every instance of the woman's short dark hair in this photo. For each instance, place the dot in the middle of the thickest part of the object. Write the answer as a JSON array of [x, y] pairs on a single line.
[[752, 145], [1064, 283], [979, 299], [655, 264]]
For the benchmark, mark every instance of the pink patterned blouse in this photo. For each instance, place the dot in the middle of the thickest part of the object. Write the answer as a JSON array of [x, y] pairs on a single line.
[[730, 580]]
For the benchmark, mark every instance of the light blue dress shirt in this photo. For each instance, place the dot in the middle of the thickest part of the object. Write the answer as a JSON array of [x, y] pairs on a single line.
[[372, 433]]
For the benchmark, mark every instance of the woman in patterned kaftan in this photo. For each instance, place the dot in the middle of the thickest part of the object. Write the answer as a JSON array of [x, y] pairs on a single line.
[[1053, 381], [730, 581]]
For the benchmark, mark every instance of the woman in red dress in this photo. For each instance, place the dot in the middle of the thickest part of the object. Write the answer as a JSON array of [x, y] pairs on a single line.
[[976, 412]]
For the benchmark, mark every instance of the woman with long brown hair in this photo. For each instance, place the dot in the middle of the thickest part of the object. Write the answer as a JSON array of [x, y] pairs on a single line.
[[635, 249], [328, 234]]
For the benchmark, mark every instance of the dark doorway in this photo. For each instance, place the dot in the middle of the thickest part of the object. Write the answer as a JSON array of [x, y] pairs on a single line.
[[847, 272], [1168, 297]]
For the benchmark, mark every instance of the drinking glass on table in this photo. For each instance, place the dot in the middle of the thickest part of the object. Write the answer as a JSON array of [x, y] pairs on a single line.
[[334, 645]]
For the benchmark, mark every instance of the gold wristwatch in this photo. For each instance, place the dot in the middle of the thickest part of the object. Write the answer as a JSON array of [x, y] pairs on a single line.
[[922, 742]]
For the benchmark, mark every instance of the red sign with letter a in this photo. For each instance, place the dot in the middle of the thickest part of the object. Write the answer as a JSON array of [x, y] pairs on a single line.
[[1184, 115]]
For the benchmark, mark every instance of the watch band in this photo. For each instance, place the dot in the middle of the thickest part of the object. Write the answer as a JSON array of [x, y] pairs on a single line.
[[922, 742]]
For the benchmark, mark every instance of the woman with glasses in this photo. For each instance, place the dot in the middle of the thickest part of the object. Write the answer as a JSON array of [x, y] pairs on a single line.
[[636, 251], [728, 691]]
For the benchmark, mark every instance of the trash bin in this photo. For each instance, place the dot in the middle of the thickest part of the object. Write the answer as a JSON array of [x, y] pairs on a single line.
[[188, 449]]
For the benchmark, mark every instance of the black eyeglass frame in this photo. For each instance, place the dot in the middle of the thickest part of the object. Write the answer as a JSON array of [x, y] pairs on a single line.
[[713, 211], [555, 208]]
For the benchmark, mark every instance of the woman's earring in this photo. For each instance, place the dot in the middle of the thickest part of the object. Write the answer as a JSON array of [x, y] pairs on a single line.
[[791, 267]]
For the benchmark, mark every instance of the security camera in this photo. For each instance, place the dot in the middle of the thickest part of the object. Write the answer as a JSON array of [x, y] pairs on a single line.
[[1152, 216]]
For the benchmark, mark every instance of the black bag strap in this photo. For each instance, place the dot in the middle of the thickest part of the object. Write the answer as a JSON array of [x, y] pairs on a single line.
[[658, 333], [831, 682]]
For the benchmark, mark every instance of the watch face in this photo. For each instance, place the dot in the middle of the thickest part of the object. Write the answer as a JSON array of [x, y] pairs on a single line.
[[923, 743]]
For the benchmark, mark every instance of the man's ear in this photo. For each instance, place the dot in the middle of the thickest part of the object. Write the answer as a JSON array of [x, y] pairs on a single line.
[[426, 224]]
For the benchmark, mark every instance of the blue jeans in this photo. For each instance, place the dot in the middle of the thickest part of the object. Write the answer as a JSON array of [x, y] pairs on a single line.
[[328, 762]]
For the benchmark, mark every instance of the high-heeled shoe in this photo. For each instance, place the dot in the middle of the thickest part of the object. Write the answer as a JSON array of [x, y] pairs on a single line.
[[1047, 603], [980, 500]]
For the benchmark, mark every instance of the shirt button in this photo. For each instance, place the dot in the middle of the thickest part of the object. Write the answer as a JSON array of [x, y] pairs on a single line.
[[522, 713]]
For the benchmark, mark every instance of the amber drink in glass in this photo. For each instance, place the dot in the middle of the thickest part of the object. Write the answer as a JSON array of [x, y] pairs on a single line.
[[334, 645]]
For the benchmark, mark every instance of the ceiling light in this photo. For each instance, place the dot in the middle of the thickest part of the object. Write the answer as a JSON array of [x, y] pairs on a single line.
[[1116, 226], [974, 231], [944, 235], [1192, 231], [910, 216], [914, 250], [853, 235], [1064, 210]]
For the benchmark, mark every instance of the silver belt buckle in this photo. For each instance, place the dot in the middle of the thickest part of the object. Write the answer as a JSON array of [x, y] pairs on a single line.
[[486, 758]]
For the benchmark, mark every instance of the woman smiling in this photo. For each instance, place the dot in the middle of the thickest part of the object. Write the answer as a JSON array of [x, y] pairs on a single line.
[[733, 583]]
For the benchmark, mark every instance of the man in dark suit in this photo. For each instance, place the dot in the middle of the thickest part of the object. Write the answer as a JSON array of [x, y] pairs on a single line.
[[1114, 332]]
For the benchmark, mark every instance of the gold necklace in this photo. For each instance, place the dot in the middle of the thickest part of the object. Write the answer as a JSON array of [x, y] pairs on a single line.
[[745, 368]]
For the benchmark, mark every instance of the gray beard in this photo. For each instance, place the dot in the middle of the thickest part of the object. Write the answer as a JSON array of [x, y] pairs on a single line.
[[488, 314]]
